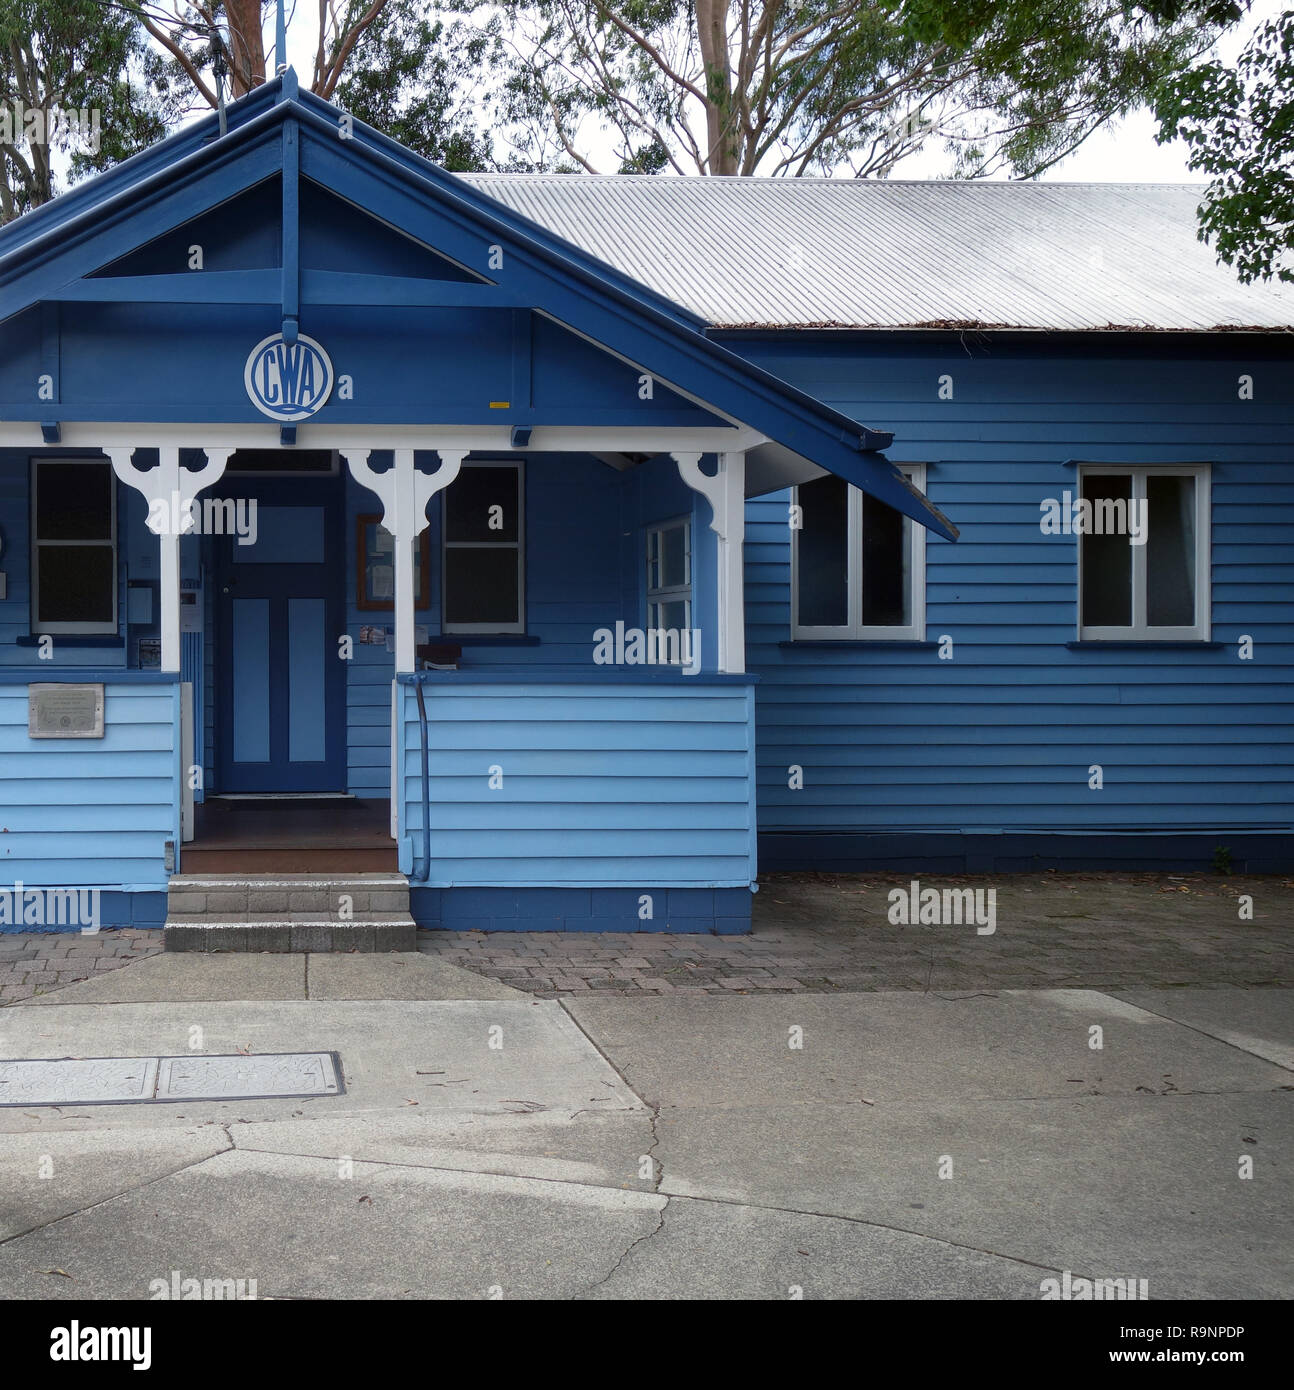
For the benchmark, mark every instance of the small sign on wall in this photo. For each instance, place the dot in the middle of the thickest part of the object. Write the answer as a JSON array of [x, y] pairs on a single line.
[[64, 711]]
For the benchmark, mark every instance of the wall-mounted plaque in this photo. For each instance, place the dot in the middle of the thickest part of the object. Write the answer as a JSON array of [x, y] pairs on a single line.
[[65, 711]]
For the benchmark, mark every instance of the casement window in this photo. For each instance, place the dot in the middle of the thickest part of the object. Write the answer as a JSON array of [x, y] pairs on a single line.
[[857, 565], [483, 571], [669, 576], [1143, 558], [73, 546]]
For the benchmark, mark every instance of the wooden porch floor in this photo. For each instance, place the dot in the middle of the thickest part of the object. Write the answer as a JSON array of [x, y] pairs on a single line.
[[288, 835]]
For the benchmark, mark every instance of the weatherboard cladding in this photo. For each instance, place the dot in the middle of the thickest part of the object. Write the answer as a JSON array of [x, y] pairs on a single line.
[[888, 254], [92, 812], [626, 783], [1001, 737]]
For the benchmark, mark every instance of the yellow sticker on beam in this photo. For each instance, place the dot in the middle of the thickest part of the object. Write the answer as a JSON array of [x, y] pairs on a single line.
[[500, 405]]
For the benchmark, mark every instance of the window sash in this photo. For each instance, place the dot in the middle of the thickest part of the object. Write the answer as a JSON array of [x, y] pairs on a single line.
[[661, 595], [38, 544], [1140, 630], [519, 545], [855, 630]]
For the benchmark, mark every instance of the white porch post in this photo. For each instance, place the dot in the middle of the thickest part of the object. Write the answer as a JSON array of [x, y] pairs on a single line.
[[169, 489], [726, 494], [404, 492]]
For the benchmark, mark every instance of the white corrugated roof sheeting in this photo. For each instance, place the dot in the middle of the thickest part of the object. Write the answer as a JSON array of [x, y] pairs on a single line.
[[865, 254]]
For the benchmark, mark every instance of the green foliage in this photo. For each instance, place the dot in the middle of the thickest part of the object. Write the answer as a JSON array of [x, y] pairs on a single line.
[[414, 75], [74, 56], [1222, 860], [1238, 124], [815, 86]]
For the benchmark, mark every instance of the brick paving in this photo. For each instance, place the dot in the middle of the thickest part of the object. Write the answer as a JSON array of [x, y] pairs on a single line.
[[830, 934], [38, 962]]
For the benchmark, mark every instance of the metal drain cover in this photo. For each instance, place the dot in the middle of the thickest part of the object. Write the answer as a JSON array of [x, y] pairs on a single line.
[[122, 1080]]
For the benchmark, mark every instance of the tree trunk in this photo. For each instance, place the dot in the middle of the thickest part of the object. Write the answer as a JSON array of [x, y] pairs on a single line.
[[712, 35], [246, 46]]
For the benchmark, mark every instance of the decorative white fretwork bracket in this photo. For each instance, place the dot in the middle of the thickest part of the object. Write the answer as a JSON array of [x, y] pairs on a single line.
[[169, 491]]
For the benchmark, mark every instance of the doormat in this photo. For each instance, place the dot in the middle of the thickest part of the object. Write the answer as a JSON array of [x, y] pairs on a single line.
[[147, 1080]]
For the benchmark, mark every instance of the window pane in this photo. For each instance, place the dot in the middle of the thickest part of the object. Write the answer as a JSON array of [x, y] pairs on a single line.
[[673, 557], [481, 586], [1107, 560], [1170, 552], [74, 501], [887, 581], [823, 553], [482, 504], [76, 583], [670, 615]]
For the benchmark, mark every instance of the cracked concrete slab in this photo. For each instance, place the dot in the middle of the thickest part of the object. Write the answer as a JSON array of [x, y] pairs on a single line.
[[709, 1250], [586, 1147], [1114, 1185], [702, 1051], [482, 1056], [302, 1228], [47, 1176], [399, 975], [1260, 1021], [177, 978]]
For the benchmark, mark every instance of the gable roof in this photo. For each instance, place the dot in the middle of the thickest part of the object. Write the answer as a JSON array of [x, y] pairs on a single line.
[[279, 129], [858, 253]]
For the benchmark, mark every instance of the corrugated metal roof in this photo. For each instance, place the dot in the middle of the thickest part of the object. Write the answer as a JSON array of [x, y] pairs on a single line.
[[853, 253]]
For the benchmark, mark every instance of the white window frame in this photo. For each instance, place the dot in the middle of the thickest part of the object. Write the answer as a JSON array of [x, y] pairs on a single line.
[[672, 593], [519, 545], [855, 630], [84, 629], [1139, 630]]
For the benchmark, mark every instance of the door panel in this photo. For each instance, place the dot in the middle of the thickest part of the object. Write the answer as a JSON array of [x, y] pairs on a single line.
[[282, 695]]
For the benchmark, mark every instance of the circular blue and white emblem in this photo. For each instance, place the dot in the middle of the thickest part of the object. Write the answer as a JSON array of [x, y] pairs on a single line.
[[288, 381]]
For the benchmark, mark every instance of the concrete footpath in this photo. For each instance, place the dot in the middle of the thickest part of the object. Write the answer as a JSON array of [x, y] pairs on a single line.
[[489, 1143]]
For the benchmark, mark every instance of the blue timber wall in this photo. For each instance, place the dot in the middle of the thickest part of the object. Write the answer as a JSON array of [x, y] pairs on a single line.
[[93, 813], [624, 802], [981, 762]]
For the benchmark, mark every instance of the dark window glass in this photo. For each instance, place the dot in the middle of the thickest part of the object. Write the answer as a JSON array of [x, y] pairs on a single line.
[[1170, 552], [886, 598], [823, 557], [470, 501], [74, 501], [481, 585], [1107, 560], [76, 583]]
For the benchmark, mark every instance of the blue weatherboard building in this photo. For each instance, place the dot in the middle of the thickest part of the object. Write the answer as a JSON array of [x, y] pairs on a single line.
[[565, 548]]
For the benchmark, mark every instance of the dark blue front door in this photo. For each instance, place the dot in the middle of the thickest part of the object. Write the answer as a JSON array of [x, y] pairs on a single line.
[[281, 683]]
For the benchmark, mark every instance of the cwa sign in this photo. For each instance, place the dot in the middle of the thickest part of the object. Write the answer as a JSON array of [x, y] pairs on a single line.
[[288, 381]]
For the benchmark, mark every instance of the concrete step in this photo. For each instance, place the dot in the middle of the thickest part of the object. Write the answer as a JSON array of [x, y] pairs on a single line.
[[339, 897], [395, 932]]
